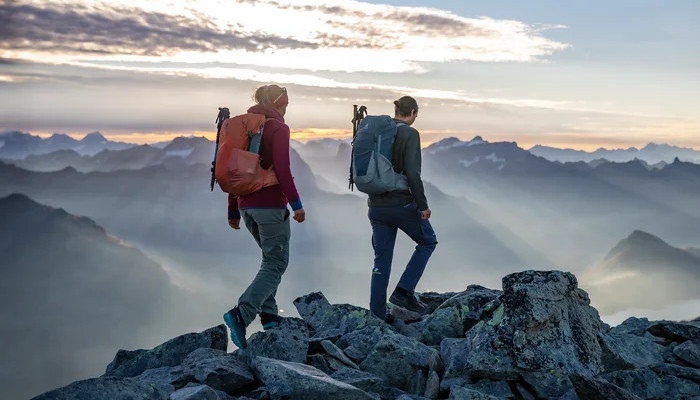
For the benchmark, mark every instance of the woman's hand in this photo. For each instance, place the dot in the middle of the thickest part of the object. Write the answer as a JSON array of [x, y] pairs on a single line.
[[235, 223]]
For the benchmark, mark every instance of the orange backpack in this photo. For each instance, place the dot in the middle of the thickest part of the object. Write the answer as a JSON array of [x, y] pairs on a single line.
[[237, 165]]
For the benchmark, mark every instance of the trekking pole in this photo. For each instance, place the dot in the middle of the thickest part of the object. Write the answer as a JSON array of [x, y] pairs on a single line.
[[357, 116], [223, 115]]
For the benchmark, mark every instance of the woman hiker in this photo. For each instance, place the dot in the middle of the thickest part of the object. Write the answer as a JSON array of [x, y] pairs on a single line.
[[266, 217]]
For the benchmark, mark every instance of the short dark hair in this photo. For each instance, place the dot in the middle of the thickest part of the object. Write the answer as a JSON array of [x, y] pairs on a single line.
[[405, 105]]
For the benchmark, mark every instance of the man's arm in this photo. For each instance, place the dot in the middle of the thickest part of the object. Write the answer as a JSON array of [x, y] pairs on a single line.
[[412, 170], [234, 215]]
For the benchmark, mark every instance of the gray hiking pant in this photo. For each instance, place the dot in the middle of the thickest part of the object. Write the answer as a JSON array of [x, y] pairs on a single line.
[[270, 228]]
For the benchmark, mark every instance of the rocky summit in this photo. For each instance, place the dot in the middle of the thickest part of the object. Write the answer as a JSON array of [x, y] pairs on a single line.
[[538, 338]]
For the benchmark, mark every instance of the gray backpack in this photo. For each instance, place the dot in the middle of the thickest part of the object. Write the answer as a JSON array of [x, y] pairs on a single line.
[[372, 148]]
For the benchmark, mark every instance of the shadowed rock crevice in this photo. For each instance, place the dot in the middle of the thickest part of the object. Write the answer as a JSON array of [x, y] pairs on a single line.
[[537, 339]]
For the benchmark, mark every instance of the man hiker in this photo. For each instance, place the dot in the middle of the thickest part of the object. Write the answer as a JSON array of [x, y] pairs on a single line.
[[266, 217], [406, 210]]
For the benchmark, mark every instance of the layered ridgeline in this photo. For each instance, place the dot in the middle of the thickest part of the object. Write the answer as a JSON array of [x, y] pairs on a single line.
[[537, 338], [70, 294], [17, 145]]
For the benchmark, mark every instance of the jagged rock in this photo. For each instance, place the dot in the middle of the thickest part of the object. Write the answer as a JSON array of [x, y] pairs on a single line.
[[628, 351], [395, 359], [433, 300], [324, 317], [675, 331], [598, 389], [301, 382], [169, 354], [570, 395], [523, 392], [547, 384], [689, 352], [315, 342], [690, 374], [460, 393], [217, 369], [320, 362], [545, 323], [417, 384], [363, 341], [473, 304], [288, 342], [109, 388], [651, 382], [354, 354], [164, 376], [453, 352], [360, 379], [492, 388], [338, 354], [448, 383], [199, 392], [443, 323], [634, 326], [432, 386]]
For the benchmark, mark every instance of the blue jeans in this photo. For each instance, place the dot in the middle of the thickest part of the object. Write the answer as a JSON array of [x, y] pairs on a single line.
[[385, 223]]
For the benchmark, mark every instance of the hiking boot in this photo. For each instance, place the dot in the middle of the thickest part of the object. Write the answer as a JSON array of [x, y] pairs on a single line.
[[270, 321], [405, 299], [235, 324]]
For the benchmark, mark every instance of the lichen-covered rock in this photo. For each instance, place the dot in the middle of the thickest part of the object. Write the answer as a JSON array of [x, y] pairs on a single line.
[[590, 388], [113, 388], [217, 369], [432, 386], [168, 354], [633, 326], [628, 351], [396, 359], [689, 352], [363, 341], [360, 379], [545, 323], [460, 393], [443, 323], [164, 376], [325, 317], [652, 382], [199, 392], [499, 389], [301, 382], [675, 331], [547, 383], [433, 300], [288, 342]]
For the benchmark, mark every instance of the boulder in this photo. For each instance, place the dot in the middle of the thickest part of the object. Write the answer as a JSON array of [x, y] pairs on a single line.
[[396, 360], [689, 352], [288, 342], [432, 386], [324, 317], [499, 389], [360, 379], [628, 351], [675, 331], [321, 363], [333, 351], [199, 392], [651, 382], [113, 388], [169, 354], [545, 323], [443, 323], [433, 300], [634, 326], [363, 341], [217, 369], [164, 376], [286, 379], [547, 384], [590, 388]]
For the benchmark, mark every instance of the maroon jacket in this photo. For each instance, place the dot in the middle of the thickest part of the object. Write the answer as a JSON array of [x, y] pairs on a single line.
[[274, 151]]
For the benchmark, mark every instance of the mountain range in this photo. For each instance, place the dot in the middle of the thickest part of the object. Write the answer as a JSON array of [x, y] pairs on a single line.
[[652, 153], [17, 145], [70, 295]]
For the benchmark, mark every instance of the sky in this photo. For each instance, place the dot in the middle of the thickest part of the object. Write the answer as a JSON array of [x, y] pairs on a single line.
[[579, 74]]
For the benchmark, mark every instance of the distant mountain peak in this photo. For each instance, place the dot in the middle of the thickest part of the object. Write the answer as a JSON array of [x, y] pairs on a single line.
[[94, 137]]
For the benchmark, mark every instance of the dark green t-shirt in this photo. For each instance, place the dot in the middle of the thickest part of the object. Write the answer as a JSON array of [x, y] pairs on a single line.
[[406, 158]]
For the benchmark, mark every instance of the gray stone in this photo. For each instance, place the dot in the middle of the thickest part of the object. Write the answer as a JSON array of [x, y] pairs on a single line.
[[545, 323], [217, 369], [460, 393], [633, 326], [570, 395], [689, 352], [443, 323], [523, 392], [363, 341], [174, 376], [113, 388], [448, 383], [354, 354], [360, 379], [315, 342], [648, 383], [169, 354], [342, 318], [628, 351], [321, 363], [288, 342], [548, 384], [590, 388], [301, 382], [433, 300], [454, 355], [675, 331], [432, 386], [417, 385], [395, 359], [338, 354], [493, 388], [195, 392], [402, 314]]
